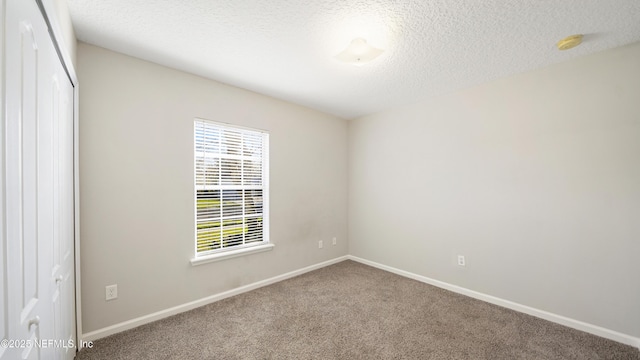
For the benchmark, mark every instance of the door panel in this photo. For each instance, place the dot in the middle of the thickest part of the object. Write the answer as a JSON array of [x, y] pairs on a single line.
[[63, 297], [27, 161], [4, 314], [37, 210], [22, 183], [67, 213]]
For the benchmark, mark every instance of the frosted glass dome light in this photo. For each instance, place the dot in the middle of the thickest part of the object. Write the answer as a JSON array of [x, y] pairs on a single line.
[[359, 52]]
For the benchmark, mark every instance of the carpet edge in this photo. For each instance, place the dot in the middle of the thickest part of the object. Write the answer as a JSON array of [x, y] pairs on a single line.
[[145, 319], [555, 318]]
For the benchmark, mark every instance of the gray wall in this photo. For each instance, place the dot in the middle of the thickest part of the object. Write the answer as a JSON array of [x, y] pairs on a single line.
[[534, 178], [136, 185]]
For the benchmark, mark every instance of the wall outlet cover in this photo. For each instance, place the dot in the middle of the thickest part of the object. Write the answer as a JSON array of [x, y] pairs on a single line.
[[461, 261], [111, 292]]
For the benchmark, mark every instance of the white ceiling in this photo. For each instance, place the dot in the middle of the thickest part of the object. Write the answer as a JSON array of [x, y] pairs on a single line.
[[286, 48]]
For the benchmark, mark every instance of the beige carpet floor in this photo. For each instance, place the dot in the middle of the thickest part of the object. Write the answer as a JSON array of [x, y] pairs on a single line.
[[353, 311]]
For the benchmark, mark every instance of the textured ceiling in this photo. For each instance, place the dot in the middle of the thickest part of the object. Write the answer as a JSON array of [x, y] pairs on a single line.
[[286, 48]]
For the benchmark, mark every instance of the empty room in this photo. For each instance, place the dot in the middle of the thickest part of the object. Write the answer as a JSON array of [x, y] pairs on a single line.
[[358, 179]]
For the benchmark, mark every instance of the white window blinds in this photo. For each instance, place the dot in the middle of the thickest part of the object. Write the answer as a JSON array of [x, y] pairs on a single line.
[[231, 181]]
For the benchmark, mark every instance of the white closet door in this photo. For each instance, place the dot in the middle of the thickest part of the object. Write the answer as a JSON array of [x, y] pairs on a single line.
[[38, 191], [63, 296]]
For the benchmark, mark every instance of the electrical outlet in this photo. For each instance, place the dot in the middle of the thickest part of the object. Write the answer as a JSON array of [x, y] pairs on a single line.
[[111, 292], [461, 261], [320, 244], [335, 241]]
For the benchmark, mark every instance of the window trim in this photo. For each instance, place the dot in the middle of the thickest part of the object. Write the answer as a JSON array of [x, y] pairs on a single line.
[[238, 250], [229, 254]]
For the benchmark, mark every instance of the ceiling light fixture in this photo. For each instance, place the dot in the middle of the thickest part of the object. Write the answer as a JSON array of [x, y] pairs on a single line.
[[570, 42], [359, 52]]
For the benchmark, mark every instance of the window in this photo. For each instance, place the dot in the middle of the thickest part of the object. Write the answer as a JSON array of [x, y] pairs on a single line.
[[231, 187]]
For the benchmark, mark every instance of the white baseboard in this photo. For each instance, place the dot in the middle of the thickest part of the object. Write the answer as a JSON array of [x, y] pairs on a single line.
[[559, 319], [572, 323], [130, 324]]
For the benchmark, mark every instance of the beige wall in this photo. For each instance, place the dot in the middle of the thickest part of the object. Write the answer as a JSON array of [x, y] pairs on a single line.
[[534, 178], [136, 185]]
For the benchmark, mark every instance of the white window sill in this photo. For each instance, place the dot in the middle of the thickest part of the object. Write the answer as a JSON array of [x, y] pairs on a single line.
[[231, 254]]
